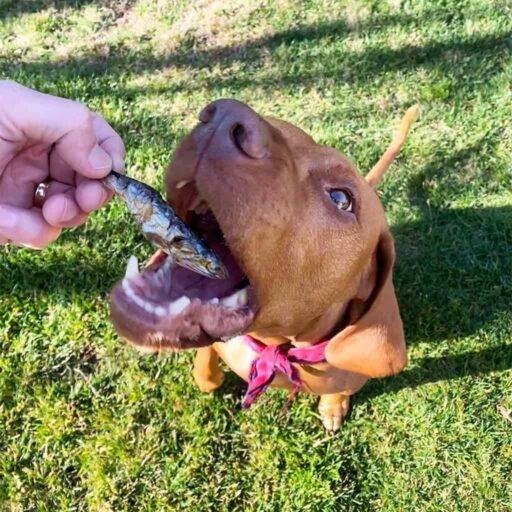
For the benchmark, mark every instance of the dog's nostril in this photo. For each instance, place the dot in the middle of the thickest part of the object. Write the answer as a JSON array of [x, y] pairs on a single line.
[[207, 113], [239, 135], [250, 139]]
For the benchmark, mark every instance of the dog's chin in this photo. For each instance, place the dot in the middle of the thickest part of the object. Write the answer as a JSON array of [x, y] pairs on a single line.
[[164, 307]]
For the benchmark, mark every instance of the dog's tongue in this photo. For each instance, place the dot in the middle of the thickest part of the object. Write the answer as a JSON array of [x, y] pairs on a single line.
[[185, 282], [195, 286]]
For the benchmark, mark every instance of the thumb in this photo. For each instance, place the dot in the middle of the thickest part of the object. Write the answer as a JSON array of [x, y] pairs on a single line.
[[79, 148], [26, 227]]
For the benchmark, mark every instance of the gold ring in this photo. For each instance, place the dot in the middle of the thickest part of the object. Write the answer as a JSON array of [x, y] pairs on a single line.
[[40, 194]]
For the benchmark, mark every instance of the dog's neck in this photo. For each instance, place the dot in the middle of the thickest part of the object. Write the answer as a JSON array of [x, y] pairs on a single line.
[[320, 329]]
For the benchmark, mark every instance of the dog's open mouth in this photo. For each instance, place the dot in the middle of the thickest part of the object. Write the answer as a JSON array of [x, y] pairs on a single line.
[[165, 306]]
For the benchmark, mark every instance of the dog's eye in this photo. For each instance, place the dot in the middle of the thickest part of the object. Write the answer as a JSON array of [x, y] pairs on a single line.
[[342, 199]]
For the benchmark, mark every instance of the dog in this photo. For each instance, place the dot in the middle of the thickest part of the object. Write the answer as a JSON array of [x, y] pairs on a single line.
[[309, 304]]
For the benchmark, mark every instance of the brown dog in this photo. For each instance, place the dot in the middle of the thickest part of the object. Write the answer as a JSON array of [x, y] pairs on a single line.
[[310, 257]]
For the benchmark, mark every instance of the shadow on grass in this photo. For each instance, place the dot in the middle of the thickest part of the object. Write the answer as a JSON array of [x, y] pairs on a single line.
[[437, 369], [453, 271], [357, 68], [448, 173], [26, 274], [463, 59]]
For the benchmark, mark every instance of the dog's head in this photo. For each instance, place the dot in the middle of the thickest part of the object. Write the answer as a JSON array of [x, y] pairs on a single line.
[[301, 232]]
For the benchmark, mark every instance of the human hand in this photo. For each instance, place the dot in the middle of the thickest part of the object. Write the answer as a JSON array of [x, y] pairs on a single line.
[[60, 142]]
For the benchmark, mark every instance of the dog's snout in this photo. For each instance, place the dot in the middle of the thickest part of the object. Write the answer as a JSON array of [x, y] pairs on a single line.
[[238, 125]]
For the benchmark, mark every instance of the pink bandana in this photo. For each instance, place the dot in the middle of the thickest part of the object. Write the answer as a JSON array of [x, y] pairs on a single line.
[[278, 357]]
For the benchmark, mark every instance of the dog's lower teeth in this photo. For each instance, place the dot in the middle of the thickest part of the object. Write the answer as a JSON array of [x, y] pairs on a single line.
[[127, 288], [231, 301], [176, 307], [132, 268], [243, 297], [238, 298], [148, 307], [130, 292], [215, 300]]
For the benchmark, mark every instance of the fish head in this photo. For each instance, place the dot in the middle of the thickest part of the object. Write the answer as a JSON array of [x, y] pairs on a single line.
[[190, 252]]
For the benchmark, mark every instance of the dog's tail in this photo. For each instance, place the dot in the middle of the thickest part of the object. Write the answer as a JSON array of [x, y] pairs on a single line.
[[374, 176]]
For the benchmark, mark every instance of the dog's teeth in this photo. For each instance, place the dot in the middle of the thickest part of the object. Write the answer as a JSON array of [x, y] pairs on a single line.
[[148, 307], [215, 300], [164, 275], [181, 184], [231, 301], [168, 265], [127, 288], [165, 269], [243, 297], [239, 298], [132, 268], [160, 311], [176, 307]]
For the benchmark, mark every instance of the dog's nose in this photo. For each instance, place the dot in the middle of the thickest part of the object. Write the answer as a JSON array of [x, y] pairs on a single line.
[[240, 124]]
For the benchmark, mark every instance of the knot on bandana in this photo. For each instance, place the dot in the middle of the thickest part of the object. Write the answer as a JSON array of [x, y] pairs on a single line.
[[278, 357]]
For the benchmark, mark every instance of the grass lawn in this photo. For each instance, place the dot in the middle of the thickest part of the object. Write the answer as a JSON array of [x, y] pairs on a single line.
[[86, 423]]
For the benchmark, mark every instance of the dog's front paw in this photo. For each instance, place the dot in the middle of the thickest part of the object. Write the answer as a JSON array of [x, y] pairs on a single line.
[[208, 383], [207, 372], [332, 410]]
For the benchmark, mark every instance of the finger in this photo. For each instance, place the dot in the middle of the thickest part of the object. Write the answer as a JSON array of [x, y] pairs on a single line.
[[60, 170], [110, 141], [61, 210], [80, 149], [76, 221], [59, 206], [107, 139], [26, 227], [91, 195], [32, 115], [94, 198]]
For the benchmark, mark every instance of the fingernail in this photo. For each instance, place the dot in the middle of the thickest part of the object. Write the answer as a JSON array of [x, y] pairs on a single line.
[[8, 217], [66, 212], [99, 159], [118, 163]]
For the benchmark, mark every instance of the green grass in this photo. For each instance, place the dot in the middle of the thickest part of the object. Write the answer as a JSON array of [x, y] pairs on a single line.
[[86, 423]]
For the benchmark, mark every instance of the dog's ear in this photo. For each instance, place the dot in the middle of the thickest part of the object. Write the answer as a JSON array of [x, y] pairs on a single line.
[[372, 343]]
